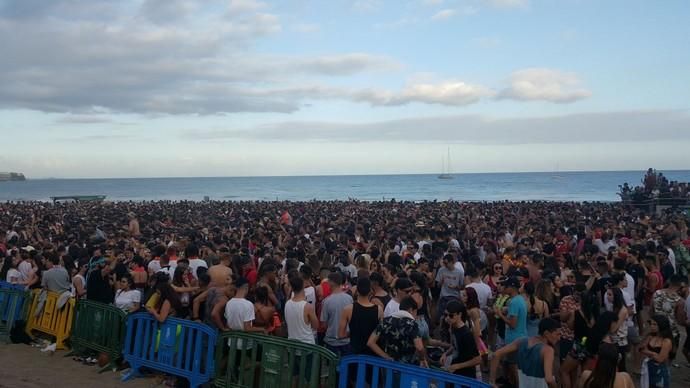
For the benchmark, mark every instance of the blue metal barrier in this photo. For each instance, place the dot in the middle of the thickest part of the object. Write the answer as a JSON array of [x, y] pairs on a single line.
[[19, 304], [384, 373], [14, 305], [178, 347]]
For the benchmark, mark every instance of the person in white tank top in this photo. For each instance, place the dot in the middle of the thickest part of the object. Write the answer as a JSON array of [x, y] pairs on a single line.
[[300, 316]]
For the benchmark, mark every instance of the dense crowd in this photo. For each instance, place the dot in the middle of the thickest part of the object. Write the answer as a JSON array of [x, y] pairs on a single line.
[[535, 293], [655, 185]]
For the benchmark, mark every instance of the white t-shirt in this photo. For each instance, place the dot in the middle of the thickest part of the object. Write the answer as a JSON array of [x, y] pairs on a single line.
[[125, 300], [483, 293], [391, 308], [237, 312], [196, 263], [25, 269], [13, 276], [154, 266], [604, 246], [170, 269]]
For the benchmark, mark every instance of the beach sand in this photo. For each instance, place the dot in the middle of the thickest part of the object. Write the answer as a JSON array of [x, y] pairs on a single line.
[[26, 367], [23, 366]]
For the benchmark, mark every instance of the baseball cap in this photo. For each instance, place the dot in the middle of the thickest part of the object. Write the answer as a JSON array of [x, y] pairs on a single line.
[[512, 281]]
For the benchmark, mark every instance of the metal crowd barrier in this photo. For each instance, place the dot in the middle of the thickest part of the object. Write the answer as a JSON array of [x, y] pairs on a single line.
[[14, 303], [250, 360], [389, 374], [177, 346], [51, 319], [99, 327]]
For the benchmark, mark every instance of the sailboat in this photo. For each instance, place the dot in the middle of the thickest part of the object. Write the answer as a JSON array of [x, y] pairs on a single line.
[[445, 174]]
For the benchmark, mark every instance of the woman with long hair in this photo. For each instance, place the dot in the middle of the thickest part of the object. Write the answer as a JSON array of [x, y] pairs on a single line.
[[493, 277], [180, 284], [605, 375], [620, 336], [601, 332], [537, 308], [263, 309], [580, 323], [167, 302], [657, 347]]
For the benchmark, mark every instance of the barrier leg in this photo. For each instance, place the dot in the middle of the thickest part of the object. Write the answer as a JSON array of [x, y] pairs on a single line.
[[133, 372]]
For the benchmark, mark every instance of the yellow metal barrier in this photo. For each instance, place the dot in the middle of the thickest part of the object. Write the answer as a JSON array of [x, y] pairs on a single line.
[[51, 320]]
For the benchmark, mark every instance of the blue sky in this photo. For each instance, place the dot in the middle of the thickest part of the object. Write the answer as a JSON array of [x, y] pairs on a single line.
[[136, 88]]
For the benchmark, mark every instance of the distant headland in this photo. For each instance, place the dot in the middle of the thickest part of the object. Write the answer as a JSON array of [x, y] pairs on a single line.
[[11, 176]]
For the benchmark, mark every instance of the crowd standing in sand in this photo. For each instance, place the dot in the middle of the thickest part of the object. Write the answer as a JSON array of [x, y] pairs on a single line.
[[535, 293]]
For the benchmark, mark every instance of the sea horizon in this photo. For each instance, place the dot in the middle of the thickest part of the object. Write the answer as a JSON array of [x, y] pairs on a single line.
[[567, 186], [553, 172]]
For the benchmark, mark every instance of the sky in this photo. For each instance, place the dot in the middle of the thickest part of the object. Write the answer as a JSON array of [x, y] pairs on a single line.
[[173, 88]]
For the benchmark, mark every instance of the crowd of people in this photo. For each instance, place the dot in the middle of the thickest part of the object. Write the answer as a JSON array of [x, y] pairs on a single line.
[[528, 294], [656, 186]]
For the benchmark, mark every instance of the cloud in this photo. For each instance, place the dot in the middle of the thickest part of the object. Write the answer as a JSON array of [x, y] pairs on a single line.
[[83, 119], [508, 3], [444, 14], [138, 63], [544, 84], [611, 127], [452, 93]]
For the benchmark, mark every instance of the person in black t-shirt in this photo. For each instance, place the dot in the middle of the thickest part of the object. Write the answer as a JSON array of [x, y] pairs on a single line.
[[463, 357], [99, 286]]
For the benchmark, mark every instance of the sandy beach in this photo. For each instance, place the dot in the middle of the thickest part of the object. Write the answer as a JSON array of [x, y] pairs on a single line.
[[26, 367]]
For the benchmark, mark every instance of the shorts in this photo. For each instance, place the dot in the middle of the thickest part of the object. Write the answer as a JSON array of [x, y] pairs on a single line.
[[565, 345]]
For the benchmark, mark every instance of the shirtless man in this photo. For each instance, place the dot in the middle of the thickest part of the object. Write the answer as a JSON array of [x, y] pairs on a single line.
[[221, 273]]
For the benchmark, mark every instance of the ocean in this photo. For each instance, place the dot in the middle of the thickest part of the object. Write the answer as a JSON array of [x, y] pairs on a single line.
[[562, 186]]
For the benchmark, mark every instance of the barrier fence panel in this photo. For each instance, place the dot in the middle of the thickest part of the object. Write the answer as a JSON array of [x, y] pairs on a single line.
[[51, 319], [14, 305], [250, 360], [99, 327], [377, 372], [20, 308], [177, 346]]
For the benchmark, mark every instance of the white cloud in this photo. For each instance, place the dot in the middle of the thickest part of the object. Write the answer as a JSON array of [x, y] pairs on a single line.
[[545, 84], [444, 14], [611, 127], [508, 3], [452, 93]]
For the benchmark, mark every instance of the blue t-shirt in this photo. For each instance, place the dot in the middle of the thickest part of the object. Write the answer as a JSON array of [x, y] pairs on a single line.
[[517, 307]]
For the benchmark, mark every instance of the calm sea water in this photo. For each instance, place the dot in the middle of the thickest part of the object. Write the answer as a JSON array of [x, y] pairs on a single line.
[[566, 186]]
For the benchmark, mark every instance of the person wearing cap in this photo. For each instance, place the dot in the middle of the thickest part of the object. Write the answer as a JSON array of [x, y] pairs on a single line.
[[534, 355], [515, 318], [403, 288]]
